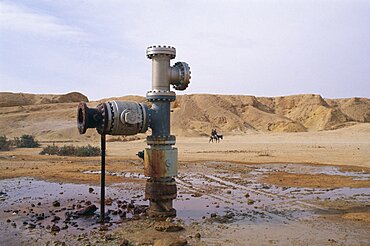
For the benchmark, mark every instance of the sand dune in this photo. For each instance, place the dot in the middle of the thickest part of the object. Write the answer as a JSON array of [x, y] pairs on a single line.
[[52, 117]]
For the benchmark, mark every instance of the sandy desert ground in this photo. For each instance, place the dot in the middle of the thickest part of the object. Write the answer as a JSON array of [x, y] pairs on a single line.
[[294, 182]]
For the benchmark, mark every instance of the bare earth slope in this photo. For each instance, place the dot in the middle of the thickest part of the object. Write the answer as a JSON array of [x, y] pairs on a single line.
[[53, 117], [9, 99], [198, 114]]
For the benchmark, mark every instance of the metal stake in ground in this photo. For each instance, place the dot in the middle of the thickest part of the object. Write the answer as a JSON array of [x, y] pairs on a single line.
[[102, 179]]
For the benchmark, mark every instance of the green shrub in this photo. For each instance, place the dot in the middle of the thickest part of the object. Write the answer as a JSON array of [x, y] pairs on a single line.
[[71, 150], [87, 151], [26, 141], [67, 150], [50, 150], [4, 143]]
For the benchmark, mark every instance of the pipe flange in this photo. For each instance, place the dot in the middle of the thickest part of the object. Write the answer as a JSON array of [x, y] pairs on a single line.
[[111, 121], [101, 128], [160, 50], [152, 96], [184, 74], [153, 140]]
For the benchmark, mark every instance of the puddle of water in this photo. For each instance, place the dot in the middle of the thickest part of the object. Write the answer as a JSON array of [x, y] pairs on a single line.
[[29, 202], [212, 196], [308, 169], [119, 174]]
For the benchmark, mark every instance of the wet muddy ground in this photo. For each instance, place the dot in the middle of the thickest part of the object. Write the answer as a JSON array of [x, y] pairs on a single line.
[[218, 204]]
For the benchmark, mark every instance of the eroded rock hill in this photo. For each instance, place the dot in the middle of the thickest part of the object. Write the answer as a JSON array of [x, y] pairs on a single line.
[[53, 117]]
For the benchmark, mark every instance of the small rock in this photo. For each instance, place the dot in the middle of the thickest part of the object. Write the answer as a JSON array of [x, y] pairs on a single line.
[[31, 226], [228, 192], [108, 201], [168, 227], [91, 190], [213, 215], [250, 201], [197, 235], [174, 228], [247, 195], [40, 217], [55, 219], [55, 228], [196, 195], [229, 215], [89, 210], [14, 224], [8, 220], [56, 204]]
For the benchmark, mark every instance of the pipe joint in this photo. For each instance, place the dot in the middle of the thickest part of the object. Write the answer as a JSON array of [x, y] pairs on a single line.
[[114, 118], [163, 75]]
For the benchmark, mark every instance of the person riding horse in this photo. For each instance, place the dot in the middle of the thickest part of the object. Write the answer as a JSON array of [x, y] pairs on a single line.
[[215, 136]]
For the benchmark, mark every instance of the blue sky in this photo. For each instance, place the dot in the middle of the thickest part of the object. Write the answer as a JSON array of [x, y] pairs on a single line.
[[263, 48]]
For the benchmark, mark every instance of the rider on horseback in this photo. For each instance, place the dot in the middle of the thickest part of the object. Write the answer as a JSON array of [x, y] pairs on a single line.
[[214, 133], [215, 136]]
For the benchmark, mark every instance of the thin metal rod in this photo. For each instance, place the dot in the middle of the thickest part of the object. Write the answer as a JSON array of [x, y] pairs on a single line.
[[102, 180]]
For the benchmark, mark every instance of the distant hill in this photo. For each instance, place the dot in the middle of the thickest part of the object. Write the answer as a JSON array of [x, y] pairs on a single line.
[[198, 114], [9, 99], [53, 117]]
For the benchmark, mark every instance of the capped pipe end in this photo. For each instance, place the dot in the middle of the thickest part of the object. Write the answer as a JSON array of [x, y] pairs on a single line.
[[180, 76], [82, 117], [88, 117], [155, 50]]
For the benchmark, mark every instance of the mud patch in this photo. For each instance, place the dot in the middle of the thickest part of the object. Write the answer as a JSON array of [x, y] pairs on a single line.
[[218, 204], [315, 180]]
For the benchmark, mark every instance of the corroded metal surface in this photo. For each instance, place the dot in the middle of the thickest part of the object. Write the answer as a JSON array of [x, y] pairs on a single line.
[[161, 192], [157, 190], [159, 162]]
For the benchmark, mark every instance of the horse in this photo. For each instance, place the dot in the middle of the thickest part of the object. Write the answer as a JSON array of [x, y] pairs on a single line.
[[216, 137]]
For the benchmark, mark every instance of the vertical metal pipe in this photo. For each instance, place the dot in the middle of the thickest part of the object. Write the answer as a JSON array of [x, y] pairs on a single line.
[[102, 179], [161, 73], [160, 116]]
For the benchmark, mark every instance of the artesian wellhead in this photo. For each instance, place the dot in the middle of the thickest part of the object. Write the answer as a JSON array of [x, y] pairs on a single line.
[[130, 118]]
